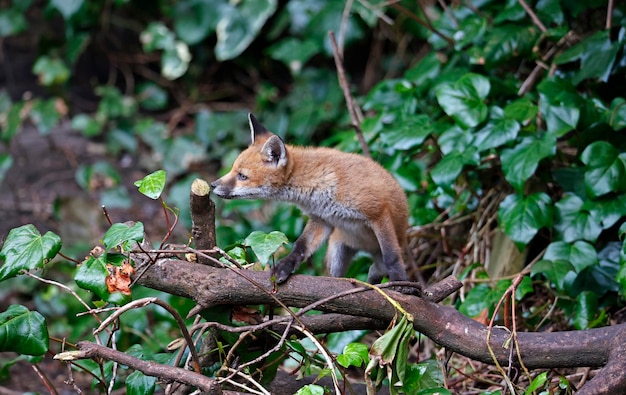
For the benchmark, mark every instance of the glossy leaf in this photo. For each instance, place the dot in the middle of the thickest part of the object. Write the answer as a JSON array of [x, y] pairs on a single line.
[[91, 275], [522, 110], [153, 184], [194, 20], [521, 217], [586, 309], [616, 116], [483, 298], [354, 354], [606, 169], [26, 249], [537, 383], [6, 161], [45, 115], [451, 165], [580, 254], [51, 71], [67, 8], [23, 331], [574, 221], [138, 383], [555, 271], [560, 106], [239, 25], [264, 245], [311, 389], [597, 55], [464, 100], [520, 162], [412, 132], [496, 133], [121, 234]]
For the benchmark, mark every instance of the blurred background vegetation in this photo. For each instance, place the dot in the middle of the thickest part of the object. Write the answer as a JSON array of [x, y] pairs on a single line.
[[502, 120]]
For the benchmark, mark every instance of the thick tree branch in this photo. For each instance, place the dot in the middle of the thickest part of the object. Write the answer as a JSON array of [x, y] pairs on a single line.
[[446, 326]]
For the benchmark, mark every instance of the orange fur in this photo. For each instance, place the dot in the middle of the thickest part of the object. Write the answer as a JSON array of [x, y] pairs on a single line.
[[351, 201]]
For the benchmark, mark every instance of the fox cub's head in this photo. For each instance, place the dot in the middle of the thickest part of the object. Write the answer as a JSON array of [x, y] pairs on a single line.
[[258, 170]]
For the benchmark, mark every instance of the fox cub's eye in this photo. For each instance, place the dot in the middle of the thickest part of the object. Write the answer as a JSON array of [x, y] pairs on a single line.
[[242, 177]]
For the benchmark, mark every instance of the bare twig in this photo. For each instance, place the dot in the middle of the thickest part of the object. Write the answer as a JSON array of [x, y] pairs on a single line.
[[89, 350], [343, 82], [144, 302], [533, 16], [609, 15]]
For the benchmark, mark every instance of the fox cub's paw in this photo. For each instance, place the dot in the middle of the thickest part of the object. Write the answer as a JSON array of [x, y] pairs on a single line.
[[283, 270]]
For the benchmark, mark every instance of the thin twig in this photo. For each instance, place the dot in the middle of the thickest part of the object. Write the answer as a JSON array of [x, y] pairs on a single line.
[[146, 301], [343, 82], [609, 15], [425, 23], [533, 16]]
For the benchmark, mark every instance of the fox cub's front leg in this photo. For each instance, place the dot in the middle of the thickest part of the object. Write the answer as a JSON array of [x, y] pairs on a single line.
[[314, 234]]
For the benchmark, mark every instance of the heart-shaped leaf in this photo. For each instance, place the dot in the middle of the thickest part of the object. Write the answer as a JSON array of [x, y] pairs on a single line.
[[606, 171], [521, 217], [520, 162], [23, 331], [153, 184], [26, 249], [580, 254], [575, 220], [464, 100], [265, 244]]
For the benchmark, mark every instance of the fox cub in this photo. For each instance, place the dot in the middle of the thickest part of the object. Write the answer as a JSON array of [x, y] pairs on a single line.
[[350, 200]]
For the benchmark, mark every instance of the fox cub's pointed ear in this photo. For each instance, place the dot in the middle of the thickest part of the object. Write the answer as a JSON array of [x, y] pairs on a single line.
[[257, 131], [274, 151]]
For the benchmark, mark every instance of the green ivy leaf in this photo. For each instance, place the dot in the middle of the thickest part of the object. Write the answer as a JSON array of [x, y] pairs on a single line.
[[451, 165], [555, 271], [194, 20], [483, 297], [520, 162], [522, 110], [67, 8], [586, 309], [87, 125], [239, 25], [575, 221], [152, 96], [265, 244], [23, 331], [580, 254], [26, 249], [311, 389], [464, 100], [354, 354], [424, 72], [560, 105], [138, 383], [294, 52], [51, 71], [153, 184], [44, 115], [412, 132], [606, 170], [616, 116], [496, 133], [12, 21], [121, 234], [521, 217], [6, 161], [597, 55]]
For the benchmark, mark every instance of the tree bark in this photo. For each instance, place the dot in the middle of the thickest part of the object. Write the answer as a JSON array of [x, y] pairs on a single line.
[[209, 286]]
